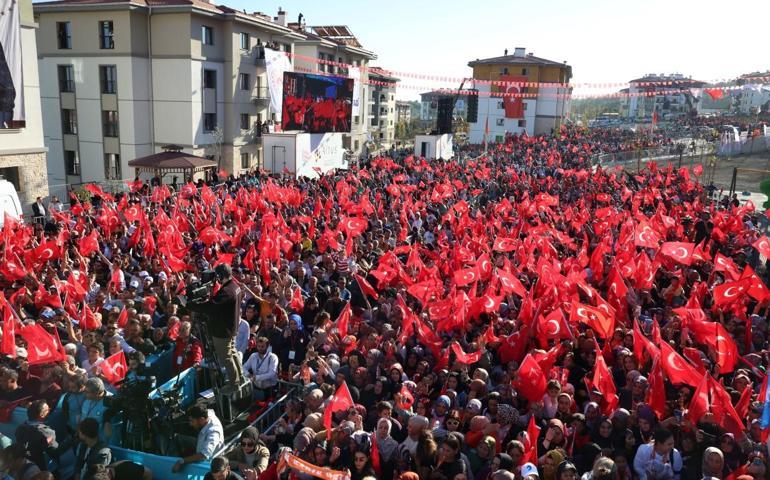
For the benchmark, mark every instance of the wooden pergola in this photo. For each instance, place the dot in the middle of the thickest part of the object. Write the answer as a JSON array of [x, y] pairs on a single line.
[[172, 160]]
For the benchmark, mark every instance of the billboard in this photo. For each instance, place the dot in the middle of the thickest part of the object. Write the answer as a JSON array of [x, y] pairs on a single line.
[[513, 102], [11, 85], [316, 103]]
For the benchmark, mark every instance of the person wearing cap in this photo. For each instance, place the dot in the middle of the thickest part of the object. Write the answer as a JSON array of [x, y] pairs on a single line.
[[528, 471], [223, 314]]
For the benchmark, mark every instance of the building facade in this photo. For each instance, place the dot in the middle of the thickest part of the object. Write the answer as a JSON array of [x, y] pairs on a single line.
[[669, 96], [403, 112], [505, 106], [382, 108], [429, 105], [22, 146], [121, 80]]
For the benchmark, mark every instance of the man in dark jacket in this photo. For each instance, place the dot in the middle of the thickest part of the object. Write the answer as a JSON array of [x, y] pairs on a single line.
[[224, 315], [90, 450], [38, 438]]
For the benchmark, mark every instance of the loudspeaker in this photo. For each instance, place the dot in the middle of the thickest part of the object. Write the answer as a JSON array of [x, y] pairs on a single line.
[[444, 115], [472, 115]]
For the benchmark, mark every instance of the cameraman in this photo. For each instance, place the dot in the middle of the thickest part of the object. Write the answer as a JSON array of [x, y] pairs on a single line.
[[224, 314]]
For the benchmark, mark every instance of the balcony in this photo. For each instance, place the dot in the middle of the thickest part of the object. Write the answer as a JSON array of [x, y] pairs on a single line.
[[260, 96], [252, 137]]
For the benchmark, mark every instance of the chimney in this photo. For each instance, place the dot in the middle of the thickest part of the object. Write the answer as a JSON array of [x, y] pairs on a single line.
[[519, 52], [281, 18]]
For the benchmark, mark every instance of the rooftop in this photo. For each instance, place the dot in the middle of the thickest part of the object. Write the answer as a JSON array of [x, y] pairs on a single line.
[[518, 57], [337, 33], [675, 79]]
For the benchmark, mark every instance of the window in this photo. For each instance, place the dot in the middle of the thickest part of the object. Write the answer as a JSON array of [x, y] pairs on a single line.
[[504, 71], [245, 161], [525, 106], [64, 35], [523, 71], [355, 119], [355, 145], [106, 41], [69, 121], [244, 121], [244, 81], [112, 166], [71, 162], [321, 63], [245, 41], [108, 75], [66, 78], [522, 123], [209, 122], [110, 123], [500, 105], [209, 79], [500, 122], [207, 35]]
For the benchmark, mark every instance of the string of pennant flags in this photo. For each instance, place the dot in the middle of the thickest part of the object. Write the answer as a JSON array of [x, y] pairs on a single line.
[[583, 85]]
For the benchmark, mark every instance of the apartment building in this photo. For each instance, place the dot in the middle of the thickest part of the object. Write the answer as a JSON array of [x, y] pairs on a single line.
[[382, 107], [667, 95], [334, 50], [119, 80], [403, 111], [22, 149], [518, 93]]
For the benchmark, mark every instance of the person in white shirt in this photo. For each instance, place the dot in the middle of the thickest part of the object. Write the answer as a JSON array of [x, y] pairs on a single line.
[[262, 369], [242, 337], [660, 454], [211, 436]]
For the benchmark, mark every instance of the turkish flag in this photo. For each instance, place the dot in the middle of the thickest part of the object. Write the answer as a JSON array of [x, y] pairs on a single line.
[[642, 343], [89, 244], [763, 246], [680, 252], [603, 381], [758, 290], [341, 400], [343, 321], [533, 433], [700, 403], [8, 345], [721, 342], [114, 368], [354, 226], [366, 287], [553, 327], [645, 236], [724, 264], [46, 251], [723, 410], [41, 347], [730, 292], [693, 355], [248, 259], [297, 303], [123, 318], [503, 244], [89, 320], [12, 268], [510, 284], [656, 394], [406, 399], [465, 358], [530, 380], [677, 369], [465, 277], [595, 318]]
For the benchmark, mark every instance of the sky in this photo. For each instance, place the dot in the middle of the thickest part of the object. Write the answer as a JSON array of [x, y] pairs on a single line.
[[604, 41]]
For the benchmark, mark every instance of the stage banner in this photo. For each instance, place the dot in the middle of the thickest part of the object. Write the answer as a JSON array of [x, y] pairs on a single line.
[[355, 74], [513, 102], [276, 63], [11, 84]]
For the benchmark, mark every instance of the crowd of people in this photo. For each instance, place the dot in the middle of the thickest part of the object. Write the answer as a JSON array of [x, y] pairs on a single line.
[[516, 314]]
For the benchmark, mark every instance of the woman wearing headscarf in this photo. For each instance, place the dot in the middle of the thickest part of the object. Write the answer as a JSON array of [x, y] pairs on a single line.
[[386, 445], [731, 452], [713, 463], [604, 436], [552, 436], [551, 461], [295, 340], [481, 457], [251, 453]]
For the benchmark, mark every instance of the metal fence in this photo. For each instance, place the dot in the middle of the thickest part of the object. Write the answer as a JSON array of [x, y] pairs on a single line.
[[667, 152], [267, 420]]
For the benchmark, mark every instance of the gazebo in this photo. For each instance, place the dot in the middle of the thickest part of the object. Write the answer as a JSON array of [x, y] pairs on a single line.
[[172, 160]]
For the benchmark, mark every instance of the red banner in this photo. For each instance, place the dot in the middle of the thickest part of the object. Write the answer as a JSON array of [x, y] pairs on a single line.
[[513, 102]]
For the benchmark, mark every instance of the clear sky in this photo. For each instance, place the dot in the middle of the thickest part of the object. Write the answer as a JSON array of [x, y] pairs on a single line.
[[603, 40]]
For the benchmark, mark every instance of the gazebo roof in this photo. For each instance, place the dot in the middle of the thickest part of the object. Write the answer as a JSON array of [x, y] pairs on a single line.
[[172, 160]]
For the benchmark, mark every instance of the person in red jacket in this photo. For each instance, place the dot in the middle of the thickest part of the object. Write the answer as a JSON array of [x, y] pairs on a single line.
[[187, 350]]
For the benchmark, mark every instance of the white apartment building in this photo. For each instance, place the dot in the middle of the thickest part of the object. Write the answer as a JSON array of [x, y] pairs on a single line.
[[22, 149]]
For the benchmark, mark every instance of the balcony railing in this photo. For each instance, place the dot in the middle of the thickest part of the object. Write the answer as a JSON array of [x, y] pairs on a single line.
[[260, 96]]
